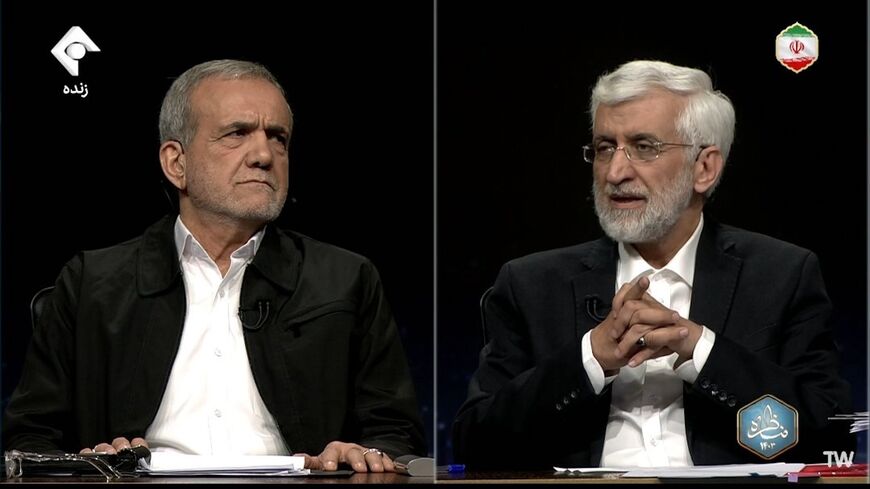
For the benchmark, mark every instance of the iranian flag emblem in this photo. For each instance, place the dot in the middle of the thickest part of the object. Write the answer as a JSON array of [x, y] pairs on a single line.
[[797, 47]]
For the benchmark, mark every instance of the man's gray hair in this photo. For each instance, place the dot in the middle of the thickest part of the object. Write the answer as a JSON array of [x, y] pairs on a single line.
[[707, 119], [177, 121]]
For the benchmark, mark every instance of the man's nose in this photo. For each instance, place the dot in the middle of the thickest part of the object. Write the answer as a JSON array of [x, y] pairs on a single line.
[[260, 153], [620, 167]]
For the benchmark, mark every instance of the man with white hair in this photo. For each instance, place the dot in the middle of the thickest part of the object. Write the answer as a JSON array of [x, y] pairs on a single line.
[[704, 319]]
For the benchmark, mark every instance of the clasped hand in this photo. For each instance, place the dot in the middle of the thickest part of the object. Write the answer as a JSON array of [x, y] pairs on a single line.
[[635, 314]]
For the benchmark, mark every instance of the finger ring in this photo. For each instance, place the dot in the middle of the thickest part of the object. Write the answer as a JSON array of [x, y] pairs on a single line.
[[641, 341], [372, 450]]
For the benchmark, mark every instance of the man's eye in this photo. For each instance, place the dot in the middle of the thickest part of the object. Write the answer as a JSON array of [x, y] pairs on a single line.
[[644, 147], [604, 147]]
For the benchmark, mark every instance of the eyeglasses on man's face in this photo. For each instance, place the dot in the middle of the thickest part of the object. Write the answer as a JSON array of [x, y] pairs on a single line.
[[643, 150]]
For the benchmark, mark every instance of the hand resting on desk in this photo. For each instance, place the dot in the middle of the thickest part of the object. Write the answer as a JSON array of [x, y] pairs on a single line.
[[358, 457], [117, 444]]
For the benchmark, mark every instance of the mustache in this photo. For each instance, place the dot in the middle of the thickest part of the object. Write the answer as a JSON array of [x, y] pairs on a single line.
[[627, 191]]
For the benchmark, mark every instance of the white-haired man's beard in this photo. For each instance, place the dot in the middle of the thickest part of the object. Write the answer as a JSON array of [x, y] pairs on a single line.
[[647, 223]]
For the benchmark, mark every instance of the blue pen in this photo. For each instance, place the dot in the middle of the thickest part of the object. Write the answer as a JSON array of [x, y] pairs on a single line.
[[456, 468]]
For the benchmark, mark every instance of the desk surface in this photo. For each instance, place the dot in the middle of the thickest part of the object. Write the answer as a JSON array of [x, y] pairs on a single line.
[[551, 477], [471, 477], [368, 478]]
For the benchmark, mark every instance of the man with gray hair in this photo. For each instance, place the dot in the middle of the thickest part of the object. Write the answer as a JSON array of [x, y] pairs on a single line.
[[215, 333], [652, 346]]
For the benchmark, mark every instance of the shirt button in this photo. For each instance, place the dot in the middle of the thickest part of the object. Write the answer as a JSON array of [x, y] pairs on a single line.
[[654, 442], [218, 413], [218, 352]]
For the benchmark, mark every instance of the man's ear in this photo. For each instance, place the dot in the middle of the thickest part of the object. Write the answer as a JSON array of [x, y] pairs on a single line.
[[173, 162], [708, 168]]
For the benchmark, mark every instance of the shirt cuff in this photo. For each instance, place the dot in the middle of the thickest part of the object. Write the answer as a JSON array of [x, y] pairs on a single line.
[[591, 365], [688, 371]]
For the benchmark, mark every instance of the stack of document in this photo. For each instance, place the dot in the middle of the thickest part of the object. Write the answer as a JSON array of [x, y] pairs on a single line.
[[859, 420], [697, 472], [176, 464]]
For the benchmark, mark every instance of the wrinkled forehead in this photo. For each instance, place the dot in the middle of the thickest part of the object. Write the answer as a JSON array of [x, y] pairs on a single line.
[[247, 99]]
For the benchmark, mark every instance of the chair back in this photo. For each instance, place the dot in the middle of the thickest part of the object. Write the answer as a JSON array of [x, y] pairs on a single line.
[[483, 300], [37, 304]]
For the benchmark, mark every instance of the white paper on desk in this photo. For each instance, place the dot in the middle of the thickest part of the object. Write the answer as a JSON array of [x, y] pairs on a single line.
[[168, 463], [592, 470], [710, 471], [697, 472]]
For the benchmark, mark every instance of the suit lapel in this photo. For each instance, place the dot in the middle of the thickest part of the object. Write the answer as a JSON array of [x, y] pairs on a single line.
[[162, 325], [161, 306], [716, 274], [593, 288], [594, 285]]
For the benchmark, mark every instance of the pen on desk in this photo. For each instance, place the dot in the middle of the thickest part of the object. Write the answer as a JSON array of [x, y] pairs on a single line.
[[456, 468]]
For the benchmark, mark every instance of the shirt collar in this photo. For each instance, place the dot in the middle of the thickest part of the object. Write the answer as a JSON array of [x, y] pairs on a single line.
[[187, 245], [632, 265]]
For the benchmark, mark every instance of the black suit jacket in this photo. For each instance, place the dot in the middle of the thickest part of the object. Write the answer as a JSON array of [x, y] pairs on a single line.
[[327, 360], [530, 401]]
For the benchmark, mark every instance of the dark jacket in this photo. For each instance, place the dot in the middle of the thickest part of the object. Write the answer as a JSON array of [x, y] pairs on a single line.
[[327, 360], [763, 298]]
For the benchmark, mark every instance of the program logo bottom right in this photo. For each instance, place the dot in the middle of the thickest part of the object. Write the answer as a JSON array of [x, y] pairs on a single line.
[[767, 427]]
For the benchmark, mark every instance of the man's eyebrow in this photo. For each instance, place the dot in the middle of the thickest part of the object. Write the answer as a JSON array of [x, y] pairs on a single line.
[[643, 135], [637, 136], [248, 126], [278, 128], [237, 125]]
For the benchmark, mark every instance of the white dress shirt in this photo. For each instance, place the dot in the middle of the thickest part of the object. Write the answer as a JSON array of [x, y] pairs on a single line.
[[211, 405], [646, 426]]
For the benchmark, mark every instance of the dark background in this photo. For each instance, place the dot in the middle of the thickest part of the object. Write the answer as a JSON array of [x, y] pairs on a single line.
[[82, 173], [513, 84]]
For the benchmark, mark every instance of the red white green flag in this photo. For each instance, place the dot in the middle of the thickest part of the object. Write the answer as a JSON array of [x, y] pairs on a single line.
[[797, 47]]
